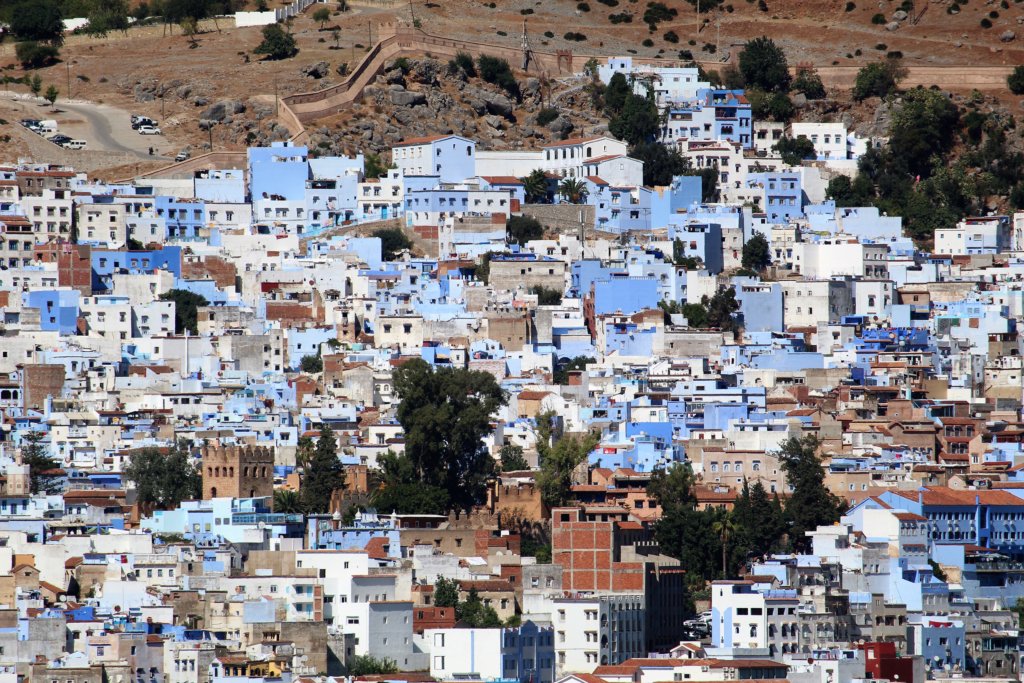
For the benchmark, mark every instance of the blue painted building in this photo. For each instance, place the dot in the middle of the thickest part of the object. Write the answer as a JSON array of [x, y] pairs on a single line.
[[58, 309]]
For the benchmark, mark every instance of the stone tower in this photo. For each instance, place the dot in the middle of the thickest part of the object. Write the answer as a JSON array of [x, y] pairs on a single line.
[[237, 471]]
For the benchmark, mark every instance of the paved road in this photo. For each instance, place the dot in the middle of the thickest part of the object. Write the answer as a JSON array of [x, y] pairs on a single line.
[[103, 127]]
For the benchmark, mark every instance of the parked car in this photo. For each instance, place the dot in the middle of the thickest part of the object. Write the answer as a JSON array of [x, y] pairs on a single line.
[[149, 130], [142, 121], [59, 139], [31, 124], [182, 156], [73, 144]]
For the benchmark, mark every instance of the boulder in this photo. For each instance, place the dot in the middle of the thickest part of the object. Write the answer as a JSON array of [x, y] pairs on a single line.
[[404, 98], [899, 15], [531, 87], [494, 121], [561, 125], [497, 103], [222, 110], [317, 70], [1007, 36], [892, 26], [394, 76]]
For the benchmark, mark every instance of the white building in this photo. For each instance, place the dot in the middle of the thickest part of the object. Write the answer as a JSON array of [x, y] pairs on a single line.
[[670, 83], [591, 631], [451, 157], [569, 157]]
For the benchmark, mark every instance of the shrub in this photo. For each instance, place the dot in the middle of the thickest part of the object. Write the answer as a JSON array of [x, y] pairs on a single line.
[[671, 37], [609, 3], [464, 61], [546, 116], [658, 12], [1015, 81], [549, 34], [986, 23], [850, 6], [496, 70], [621, 18], [878, 19], [581, 6], [878, 79], [648, 42], [33, 55], [277, 43]]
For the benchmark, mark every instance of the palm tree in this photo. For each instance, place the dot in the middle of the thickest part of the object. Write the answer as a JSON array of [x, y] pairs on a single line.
[[535, 186], [725, 527], [573, 190], [287, 500]]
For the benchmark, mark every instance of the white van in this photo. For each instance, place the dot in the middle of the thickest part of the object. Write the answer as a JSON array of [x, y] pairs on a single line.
[[74, 144], [46, 127]]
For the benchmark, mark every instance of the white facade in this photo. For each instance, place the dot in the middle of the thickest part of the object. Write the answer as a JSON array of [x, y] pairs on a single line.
[[670, 83], [589, 632], [568, 157], [450, 157]]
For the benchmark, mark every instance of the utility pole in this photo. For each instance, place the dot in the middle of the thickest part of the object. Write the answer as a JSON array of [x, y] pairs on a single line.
[[68, 65], [209, 130], [276, 99]]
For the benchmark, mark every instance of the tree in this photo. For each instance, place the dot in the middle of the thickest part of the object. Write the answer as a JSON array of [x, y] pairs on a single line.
[[759, 524], [522, 229], [106, 16], [164, 479], [638, 121], [757, 254], [322, 16], [794, 150], [725, 527], [277, 43], [189, 29], [374, 167], [304, 451], [368, 665], [36, 85], [546, 296], [512, 459], [34, 55], [39, 20], [811, 504], [683, 531], [809, 83], [616, 93], [287, 500], [186, 305], [535, 187], [312, 363], [558, 463], [1015, 81], [324, 475], [445, 414], [878, 79], [573, 190], [720, 308], [43, 471], [446, 592], [403, 492], [393, 241], [661, 163], [563, 368], [763, 65], [51, 94], [475, 614]]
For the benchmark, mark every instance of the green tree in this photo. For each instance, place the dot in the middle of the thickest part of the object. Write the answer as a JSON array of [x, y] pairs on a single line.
[[106, 16], [639, 121], [683, 531], [757, 253], [720, 309], [922, 128], [475, 614], [368, 665], [324, 475], [759, 524], [304, 451], [322, 16], [445, 414], [287, 500], [373, 166], [725, 527], [35, 55], [1015, 81], [810, 505], [43, 471], [563, 368], [546, 296], [522, 229], [535, 187], [846, 192], [312, 363], [36, 84], [616, 94], [763, 65], [809, 83], [878, 79], [558, 463], [512, 459], [794, 150], [446, 592], [393, 241], [277, 43], [401, 490], [186, 305], [190, 29], [39, 20], [573, 190], [51, 94], [164, 479], [661, 163]]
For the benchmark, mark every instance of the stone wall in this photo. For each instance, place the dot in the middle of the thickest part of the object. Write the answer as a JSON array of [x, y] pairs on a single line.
[[562, 218]]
